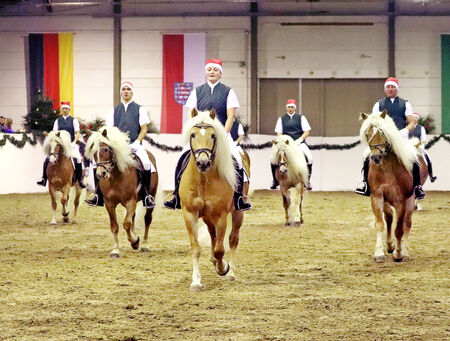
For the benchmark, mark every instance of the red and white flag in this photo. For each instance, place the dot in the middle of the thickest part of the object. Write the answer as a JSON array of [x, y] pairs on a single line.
[[183, 70]]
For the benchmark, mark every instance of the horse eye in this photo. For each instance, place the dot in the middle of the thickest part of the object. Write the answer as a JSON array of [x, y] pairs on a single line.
[[213, 136], [192, 135]]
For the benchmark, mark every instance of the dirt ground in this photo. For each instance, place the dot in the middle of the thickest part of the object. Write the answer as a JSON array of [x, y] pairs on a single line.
[[314, 282]]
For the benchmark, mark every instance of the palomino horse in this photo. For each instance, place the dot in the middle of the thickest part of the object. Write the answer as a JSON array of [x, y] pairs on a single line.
[[423, 166], [391, 183], [292, 175], [206, 191], [60, 172], [117, 171]]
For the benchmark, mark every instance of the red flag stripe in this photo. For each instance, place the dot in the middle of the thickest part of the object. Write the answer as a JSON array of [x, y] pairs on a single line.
[[51, 67]]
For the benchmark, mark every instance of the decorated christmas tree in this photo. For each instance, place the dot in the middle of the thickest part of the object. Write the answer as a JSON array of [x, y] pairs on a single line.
[[42, 115]]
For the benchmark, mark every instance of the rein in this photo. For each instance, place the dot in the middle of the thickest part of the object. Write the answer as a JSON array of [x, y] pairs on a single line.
[[378, 146], [210, 152]]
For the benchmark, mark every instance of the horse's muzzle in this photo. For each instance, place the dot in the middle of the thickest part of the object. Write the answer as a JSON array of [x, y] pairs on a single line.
[[203, 165], [102, 173], [377, 158]]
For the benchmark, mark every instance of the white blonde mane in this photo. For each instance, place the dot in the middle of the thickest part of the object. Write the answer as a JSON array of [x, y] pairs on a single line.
[[115, 139], [398, 144], [63, 140], [223, 159], [296, 162]]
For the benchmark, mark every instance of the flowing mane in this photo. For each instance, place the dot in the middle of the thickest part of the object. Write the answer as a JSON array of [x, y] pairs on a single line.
[[60, 137], [297, 168], [115, 139], [397, 144], [223, 158]]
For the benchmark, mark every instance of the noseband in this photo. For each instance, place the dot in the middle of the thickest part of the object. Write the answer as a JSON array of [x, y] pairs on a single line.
[[379, 146], [210, 152], [108, 165]]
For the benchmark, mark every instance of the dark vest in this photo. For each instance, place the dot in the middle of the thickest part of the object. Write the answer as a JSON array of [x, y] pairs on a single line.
[[235, 130], [67, 125], [217, 100], [292, 126], [416, 132], [128, 122], [395, 109]]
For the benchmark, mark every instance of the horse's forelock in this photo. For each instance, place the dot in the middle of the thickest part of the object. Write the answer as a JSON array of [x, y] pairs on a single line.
[[60, 137]]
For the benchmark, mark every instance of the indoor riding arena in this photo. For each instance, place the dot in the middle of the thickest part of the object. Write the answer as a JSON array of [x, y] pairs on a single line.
[[367, 85]]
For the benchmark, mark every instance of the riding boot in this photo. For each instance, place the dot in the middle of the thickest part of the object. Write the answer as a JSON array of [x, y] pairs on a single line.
[[43, 181], [309, 176], [148, 201], [79, 174], [430, 168], [363, 187], [97, 198], [182, 163], [275, 183], [418, 190], [239, 199]]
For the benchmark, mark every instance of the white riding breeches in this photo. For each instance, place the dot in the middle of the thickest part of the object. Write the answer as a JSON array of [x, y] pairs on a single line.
[[76, 152], [141, 153], [305, 150]]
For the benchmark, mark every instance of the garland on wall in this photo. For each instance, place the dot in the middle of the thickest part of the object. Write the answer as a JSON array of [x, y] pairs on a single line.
[[18, 143]]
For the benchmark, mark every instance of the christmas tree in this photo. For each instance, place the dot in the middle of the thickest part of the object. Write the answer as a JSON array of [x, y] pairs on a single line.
[[42, 115]]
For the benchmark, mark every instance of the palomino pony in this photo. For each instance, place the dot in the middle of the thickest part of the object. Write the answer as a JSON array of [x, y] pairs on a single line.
[[206, 191], [292, 175], [60, 172], [390, 181], [117, 171]]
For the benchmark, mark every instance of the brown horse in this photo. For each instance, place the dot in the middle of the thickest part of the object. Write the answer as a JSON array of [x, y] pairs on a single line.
[[60, 172], [391, 183], [292, 175], [206, 191], [117, 171]]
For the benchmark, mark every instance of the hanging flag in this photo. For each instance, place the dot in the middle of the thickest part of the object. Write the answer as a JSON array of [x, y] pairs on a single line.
[[51, 66], [183, 70]]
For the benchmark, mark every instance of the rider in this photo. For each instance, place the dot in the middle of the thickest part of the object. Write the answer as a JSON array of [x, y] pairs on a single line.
[[296, 126], [72, 126], [132, 118], [213, 95], [419, 132], [400, 110]]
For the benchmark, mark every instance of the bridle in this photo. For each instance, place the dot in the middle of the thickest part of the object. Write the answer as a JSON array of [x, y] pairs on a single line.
[[379, 146], [210, 152], [108, 165], [283, 161]]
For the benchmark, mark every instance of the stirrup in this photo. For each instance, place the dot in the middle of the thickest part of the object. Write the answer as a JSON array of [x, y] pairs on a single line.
[[149, 201], [172, 203], [419, 193], [363, 189], [241, 204], [42, 182], [94, 201]]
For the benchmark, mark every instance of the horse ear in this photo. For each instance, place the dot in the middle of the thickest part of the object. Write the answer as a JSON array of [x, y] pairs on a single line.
[[58, 134], [45, 133], [213, 113], [274, 141], [383, 114], [88, 132], [287, 141], [194, 112], [363, 115], [105, 132]]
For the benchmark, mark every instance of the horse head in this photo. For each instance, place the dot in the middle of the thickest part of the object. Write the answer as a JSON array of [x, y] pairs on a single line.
[[280, 157], [57, 143], [104, 158], [376, 139], [203, 142]]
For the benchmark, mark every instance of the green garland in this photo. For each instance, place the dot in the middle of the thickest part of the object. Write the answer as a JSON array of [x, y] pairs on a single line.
[[18, 143]]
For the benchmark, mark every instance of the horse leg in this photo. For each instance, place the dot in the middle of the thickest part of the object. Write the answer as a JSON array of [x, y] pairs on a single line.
[[222, 267], [399, 231], [286, 205], [377, 208], [191, 222], [148, 220], [64, 202], [388, 216], [212, 234], [128, 224], [402, 230], [300, 190], [52, 192], [237, 217], [407, 227], [76, 201], [115, 253]]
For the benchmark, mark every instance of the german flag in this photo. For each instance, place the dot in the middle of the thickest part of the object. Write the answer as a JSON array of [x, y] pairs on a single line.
[[51, 66]]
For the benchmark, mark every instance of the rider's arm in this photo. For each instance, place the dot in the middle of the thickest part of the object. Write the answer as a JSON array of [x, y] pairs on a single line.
[[143, 121], [230, 119]]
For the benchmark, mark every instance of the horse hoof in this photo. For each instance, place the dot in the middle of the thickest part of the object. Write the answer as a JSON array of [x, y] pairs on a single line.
[[145, 249], [114, 255], [287, 224], [53, 222], [135, 245], [398, 260], [298, 223], [380, 259], [196, 287], [226, 270], [66, 220]]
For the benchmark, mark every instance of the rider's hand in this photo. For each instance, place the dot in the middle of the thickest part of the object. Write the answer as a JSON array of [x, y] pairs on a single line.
[[299, 141], [134, 146]]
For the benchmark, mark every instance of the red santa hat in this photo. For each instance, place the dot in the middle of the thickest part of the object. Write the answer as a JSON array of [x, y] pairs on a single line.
[[291, 103], [416, 115], [65, 105], [391, 81], [214, 63], [128, 84]]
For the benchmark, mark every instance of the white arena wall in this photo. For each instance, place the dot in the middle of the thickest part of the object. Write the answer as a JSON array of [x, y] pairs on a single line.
[[333, 170], [310, 52]]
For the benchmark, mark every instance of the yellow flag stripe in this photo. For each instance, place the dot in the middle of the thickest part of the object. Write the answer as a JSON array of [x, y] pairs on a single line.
[[65, 41]]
